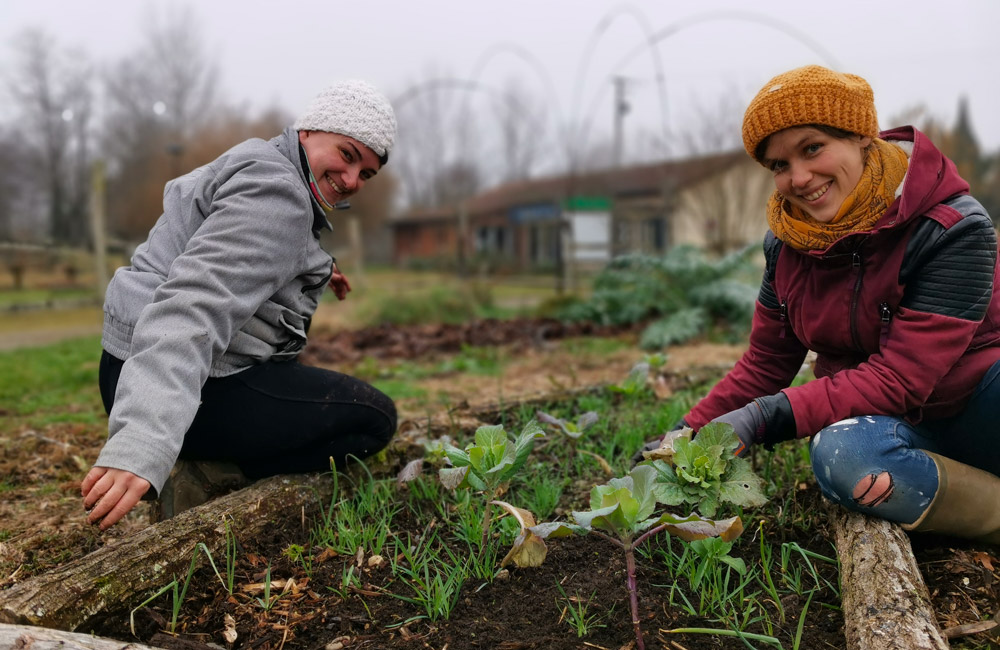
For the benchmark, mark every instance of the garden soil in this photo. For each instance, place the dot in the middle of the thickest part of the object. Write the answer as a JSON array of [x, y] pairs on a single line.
[[43, 527]]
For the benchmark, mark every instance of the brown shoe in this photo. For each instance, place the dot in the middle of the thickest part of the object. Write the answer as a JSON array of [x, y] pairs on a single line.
[[193, 482]]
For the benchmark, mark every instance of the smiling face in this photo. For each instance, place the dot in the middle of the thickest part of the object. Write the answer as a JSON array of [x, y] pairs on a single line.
[[340, 163], [815, 170]]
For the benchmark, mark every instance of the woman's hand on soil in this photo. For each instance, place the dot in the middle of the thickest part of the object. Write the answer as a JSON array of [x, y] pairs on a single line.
[[109, 494]]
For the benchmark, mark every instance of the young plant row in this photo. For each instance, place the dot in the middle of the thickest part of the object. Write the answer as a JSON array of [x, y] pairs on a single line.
[[499, 493]]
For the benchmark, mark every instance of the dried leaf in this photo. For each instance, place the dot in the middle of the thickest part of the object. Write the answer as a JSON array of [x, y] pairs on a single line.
[[605, 466], [726, 529], [666, 450], [984, 559], [326, 554], [257, 587], [528, 549], [662, 389], [452, 477], [411, 471], [229, 633]]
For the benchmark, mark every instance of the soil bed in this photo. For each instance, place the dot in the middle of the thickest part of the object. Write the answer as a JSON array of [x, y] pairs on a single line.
[[42, 527], [524, 610]]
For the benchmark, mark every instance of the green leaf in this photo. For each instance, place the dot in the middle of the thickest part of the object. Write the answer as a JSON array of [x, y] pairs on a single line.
[[504, 466], [490, 436], [478, 458], [718, 433], [736, 563], [608, 518], [475, 482], [457, 457], [557, 529], [524, 442], [741, 486], [709, 504]]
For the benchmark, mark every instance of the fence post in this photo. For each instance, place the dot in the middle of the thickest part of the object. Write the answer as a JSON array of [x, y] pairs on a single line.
[[97, 227]]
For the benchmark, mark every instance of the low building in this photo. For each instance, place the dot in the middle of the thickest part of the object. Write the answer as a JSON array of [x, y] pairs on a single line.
[[714, 202]]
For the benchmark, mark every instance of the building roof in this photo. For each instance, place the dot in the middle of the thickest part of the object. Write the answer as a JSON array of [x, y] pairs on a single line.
[[637, 180]]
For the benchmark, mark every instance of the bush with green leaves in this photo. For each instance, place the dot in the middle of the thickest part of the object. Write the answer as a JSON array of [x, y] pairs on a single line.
[[689, 290]]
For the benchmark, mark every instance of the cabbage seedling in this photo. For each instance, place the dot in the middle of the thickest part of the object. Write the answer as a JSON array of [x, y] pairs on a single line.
[[703, 472], [488, 464], [622, 512], [636, 381], [573, 430]]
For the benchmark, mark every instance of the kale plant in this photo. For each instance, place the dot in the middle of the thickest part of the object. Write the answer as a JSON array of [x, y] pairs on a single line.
[[686, 289]]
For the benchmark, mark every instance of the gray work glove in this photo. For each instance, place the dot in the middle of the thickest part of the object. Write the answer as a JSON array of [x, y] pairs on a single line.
[[749, 424]]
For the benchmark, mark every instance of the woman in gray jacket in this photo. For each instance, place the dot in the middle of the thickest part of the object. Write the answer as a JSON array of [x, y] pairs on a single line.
[[202, 330]]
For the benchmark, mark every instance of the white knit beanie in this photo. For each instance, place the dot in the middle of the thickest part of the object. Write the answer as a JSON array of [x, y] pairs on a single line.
[[353, 108]]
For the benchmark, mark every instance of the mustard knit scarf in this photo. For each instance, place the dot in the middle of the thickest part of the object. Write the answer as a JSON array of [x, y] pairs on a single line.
[[885, 167]]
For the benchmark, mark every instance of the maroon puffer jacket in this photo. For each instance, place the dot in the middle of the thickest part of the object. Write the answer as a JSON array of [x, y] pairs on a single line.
[[904, 318]]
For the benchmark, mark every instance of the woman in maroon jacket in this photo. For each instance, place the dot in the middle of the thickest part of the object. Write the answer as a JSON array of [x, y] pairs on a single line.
[[879, 261]]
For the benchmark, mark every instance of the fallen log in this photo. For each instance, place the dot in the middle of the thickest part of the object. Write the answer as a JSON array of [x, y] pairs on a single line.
[[23, 637], [884, 598], [125, 572]]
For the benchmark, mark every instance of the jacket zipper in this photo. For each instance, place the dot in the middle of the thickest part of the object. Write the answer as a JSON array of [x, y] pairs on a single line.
[[856, 264], [886, 315], [784, 319]]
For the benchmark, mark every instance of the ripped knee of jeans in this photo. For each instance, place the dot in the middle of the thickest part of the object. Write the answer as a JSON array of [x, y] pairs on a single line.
[[873, 490]]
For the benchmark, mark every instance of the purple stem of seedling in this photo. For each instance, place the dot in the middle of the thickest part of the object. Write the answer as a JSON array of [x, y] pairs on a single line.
[[633, 593], [486, 523], [630, 583], [649, 533]]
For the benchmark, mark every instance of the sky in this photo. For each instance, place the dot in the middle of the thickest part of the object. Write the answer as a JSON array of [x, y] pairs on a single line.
[[915, 53]]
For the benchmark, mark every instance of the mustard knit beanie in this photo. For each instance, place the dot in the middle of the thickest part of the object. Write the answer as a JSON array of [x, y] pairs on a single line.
[[810, 95]]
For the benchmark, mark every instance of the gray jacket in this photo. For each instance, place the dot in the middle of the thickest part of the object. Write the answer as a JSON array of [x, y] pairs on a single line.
[[229, 277]]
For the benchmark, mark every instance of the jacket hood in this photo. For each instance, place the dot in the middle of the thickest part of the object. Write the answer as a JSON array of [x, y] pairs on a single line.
[[931, 177]]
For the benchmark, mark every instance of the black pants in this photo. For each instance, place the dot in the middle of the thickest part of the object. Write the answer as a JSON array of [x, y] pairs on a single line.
[[278, 418]]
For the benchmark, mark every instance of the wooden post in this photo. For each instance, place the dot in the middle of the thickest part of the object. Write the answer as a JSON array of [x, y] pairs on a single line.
[[97, 226]]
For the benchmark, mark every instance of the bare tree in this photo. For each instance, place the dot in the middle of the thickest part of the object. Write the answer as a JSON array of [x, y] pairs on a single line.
[[157, 98], [437, 136], [728, 208], [52, 91], [17, 189], [520, 124]]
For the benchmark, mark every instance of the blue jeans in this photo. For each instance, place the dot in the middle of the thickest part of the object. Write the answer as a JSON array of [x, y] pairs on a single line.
[[874, 464]]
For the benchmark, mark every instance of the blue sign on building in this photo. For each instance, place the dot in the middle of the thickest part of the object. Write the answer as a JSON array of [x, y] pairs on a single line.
[[535, 213]]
